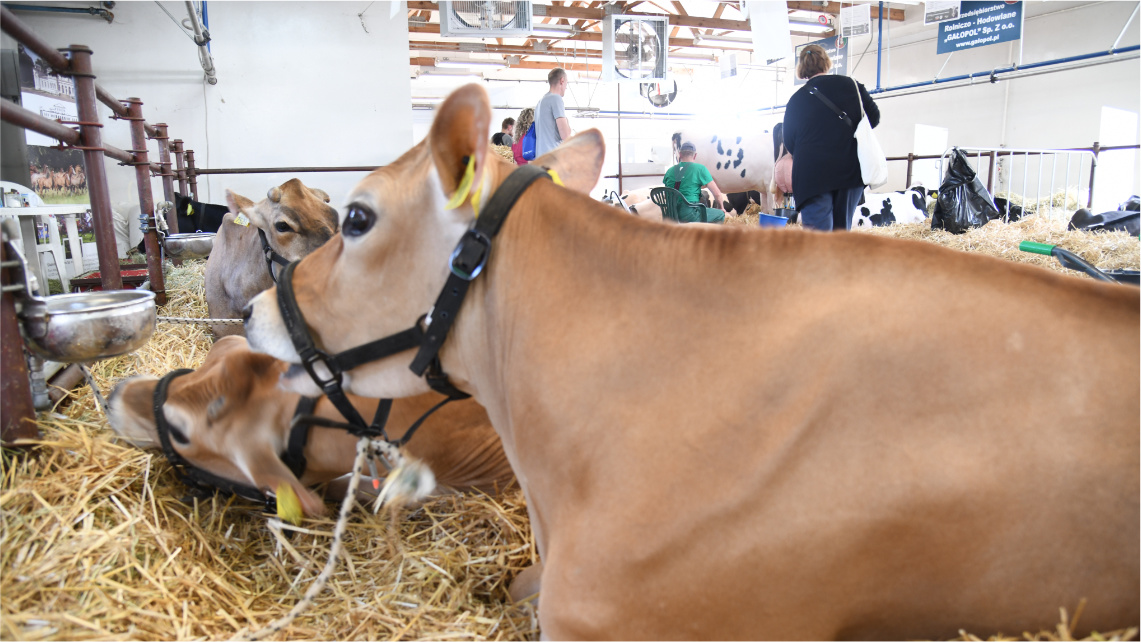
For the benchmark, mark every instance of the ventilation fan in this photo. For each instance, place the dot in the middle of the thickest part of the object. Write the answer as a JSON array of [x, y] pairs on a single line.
[[634, 48], [656, 93], [485, 19]]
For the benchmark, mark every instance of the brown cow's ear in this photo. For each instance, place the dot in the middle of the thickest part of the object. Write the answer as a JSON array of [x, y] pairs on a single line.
[[458, 137], [578, 161], [320, 193], [238, 203]]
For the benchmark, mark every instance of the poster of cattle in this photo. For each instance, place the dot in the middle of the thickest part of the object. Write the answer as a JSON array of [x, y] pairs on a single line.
[[58, 176]]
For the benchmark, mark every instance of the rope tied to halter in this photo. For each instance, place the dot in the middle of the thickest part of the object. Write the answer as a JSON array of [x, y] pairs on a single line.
[[410, 480]]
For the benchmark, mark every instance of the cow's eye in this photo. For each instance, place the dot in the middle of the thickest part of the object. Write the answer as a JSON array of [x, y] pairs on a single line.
[[282, 227], [358, 221]]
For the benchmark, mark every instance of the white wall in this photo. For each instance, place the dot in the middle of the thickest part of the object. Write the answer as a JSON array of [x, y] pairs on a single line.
[[299, 84]]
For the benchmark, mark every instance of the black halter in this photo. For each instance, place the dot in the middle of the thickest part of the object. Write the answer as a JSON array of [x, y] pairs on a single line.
[[467, 262], [271, 257], [204, 482]]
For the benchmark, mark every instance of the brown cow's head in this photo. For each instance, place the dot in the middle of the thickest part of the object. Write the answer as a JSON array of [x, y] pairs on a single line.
[[227, 414], [388, 264], [296, 219]]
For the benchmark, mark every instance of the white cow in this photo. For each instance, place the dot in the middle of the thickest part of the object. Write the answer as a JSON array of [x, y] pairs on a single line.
[[878, 210], [740, 160]]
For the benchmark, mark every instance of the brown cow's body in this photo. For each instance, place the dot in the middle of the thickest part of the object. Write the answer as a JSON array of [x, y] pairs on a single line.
[[237, 270], [842, 436], [238, 421]]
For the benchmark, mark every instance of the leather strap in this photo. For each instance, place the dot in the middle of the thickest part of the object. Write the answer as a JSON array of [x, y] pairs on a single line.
[[468, 260], [271, 257], [294, 456], [831, 105]]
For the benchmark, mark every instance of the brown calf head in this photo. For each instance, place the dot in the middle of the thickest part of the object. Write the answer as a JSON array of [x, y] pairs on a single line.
[[226, 418], [388, 264], [296, 219]]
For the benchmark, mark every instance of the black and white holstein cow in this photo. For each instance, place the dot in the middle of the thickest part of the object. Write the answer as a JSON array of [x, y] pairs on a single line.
[[879, 210], [739, 160]]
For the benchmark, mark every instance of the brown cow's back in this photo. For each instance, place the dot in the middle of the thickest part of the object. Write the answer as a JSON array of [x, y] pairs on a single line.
[[847, 422]]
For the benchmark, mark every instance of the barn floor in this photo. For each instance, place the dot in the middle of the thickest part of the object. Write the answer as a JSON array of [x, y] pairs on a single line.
[[96, 544]]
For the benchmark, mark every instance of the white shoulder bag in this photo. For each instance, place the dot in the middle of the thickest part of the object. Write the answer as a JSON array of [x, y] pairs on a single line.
[[873, 162]]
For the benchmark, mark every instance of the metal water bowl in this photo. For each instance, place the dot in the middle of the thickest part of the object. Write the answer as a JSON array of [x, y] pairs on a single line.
[[88, 326], [194, 245]]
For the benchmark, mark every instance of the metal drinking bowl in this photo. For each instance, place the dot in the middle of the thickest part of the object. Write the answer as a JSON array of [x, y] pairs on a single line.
[[195, 245], [88, 325]]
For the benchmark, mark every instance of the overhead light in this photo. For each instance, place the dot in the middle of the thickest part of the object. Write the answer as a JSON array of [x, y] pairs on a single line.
[[743, 41], [811, 27], [554, 30], [449, 73], [470, 63]]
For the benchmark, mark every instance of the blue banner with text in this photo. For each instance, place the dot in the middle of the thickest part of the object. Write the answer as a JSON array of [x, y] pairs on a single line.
[[980, 24]]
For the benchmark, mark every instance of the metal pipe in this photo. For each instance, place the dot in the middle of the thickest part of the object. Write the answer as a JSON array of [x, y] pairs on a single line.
[[1126, 27], [106, 98], [93, 11], [166, 173], [14, 27], [284, 170], [1092, 170], [879, 49], [146, 199], [17, 115], [1013, 68], [944, 65], [180, 169], [104, 222], [17, 413], [202, 39], [619, 89], [191, 177]]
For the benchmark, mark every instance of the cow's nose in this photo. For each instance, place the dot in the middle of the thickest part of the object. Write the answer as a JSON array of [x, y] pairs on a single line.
[[247, 312]]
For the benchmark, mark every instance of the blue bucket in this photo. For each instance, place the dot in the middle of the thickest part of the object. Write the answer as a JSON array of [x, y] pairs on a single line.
[[768, 220]]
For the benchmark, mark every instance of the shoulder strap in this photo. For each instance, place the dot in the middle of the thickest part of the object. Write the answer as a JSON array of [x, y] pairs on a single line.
[[859, 97], [831, 105]]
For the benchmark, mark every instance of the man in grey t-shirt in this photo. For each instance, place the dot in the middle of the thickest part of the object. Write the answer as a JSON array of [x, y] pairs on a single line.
[[551, 126]]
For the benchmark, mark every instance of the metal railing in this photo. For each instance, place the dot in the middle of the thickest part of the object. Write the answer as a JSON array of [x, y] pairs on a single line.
[[1078, 168]]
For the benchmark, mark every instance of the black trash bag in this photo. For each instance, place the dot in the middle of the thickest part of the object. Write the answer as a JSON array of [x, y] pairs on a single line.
[[1007, 211], [1128, 221], [964, 201], [1131, 204]]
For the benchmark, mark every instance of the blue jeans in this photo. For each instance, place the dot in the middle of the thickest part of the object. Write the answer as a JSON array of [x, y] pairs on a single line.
[[830, 210]]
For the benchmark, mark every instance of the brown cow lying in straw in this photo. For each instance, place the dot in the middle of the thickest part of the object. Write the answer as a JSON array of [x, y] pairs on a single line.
[[237, 421], [295, 219], [842, 436]]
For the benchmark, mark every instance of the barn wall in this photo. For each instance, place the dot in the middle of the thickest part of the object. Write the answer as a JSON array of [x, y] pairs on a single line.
[[299, 84]]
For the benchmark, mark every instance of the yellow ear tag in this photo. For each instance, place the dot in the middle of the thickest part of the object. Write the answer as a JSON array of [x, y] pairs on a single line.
[[555, 177], [189, 209], [288, 505], [465, 185], [242, 219]]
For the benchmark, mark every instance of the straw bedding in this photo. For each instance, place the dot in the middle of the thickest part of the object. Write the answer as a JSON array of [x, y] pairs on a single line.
[[95, 542]]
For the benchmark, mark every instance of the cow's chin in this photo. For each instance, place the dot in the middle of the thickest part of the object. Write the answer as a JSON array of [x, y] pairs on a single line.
[[266, 332]]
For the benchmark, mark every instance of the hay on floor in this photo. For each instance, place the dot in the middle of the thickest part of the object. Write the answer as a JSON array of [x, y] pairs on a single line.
[[96, 544]]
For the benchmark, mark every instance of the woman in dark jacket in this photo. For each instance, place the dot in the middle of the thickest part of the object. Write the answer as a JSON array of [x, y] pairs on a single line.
[[826, 179]]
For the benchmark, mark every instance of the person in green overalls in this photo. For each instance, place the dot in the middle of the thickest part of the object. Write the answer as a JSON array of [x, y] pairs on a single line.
[[688, 177]]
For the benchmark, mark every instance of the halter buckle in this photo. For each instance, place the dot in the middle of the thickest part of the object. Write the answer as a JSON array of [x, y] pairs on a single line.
[[474, 247], [315, 356]]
